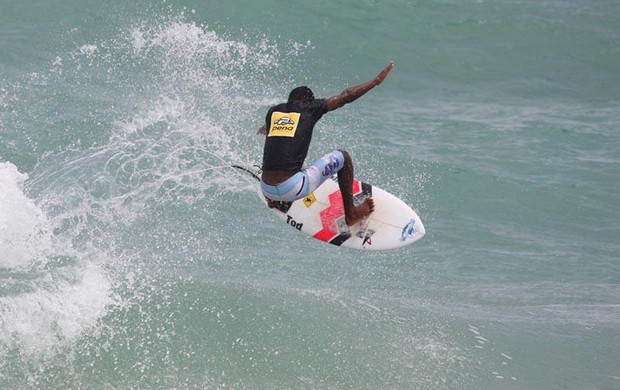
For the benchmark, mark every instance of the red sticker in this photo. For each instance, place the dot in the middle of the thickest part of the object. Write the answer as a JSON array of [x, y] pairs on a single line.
[[332, 213]]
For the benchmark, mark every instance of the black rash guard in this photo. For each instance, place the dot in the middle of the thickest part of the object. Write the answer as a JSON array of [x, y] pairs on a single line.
[[289, 132]]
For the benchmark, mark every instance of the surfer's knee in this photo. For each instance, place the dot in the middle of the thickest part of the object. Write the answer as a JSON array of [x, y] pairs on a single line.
[[346, 155]]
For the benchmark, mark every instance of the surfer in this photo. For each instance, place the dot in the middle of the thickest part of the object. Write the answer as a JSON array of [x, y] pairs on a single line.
[[288, 129]]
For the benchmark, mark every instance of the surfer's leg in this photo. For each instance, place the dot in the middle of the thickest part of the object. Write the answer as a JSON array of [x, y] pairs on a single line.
[[352, 213], [323, 169]]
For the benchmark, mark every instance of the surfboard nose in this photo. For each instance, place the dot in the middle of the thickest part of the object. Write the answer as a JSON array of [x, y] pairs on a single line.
[[421, 230]]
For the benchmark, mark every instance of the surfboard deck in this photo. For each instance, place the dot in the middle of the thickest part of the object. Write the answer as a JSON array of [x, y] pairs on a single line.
[[392, 225]]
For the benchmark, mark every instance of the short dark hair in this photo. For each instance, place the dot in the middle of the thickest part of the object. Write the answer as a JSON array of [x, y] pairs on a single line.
[[303, 94]]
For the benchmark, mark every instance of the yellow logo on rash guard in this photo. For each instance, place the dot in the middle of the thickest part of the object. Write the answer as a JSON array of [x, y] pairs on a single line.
[[283, 124]]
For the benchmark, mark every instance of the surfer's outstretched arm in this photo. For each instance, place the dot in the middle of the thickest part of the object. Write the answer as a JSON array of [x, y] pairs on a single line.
[[353, 93]]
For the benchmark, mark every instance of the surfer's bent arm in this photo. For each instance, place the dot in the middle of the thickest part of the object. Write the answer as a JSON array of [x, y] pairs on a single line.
[[262, 130], [353, 93]]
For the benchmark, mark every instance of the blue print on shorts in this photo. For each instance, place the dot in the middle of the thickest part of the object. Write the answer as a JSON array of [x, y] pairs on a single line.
[[331, 166]]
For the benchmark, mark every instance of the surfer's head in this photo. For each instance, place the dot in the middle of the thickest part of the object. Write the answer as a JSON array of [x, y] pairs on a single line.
[[301, 94]]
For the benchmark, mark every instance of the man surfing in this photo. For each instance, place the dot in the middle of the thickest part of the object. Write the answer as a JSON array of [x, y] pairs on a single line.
[[288, 129]]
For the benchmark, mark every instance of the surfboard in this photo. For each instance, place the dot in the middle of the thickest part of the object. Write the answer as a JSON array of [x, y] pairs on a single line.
[[320, 215]]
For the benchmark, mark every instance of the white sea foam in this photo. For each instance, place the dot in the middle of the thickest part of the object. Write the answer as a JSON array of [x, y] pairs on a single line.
[[24, 232], [53, 301], [50, 316], [88, 50]]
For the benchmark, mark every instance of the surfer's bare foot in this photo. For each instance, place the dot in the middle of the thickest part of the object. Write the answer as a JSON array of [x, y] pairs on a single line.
[[360, 212]]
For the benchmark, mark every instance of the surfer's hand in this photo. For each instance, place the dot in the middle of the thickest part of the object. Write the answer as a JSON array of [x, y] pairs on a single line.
[[384, 73], [262, 130]]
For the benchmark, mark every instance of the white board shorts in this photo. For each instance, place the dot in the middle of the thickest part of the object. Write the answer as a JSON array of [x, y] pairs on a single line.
[[305, 181]]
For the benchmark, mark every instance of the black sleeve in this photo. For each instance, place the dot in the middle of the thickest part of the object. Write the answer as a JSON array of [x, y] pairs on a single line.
[[319, 107]]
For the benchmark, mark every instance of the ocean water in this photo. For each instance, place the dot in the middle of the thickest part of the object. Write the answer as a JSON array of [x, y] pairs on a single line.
[[133, 257]]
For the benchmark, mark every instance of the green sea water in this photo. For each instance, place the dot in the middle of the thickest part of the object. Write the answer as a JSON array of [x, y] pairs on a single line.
[[133, 257]]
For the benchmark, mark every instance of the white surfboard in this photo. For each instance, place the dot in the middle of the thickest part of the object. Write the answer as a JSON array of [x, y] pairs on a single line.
[[393, 224]]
